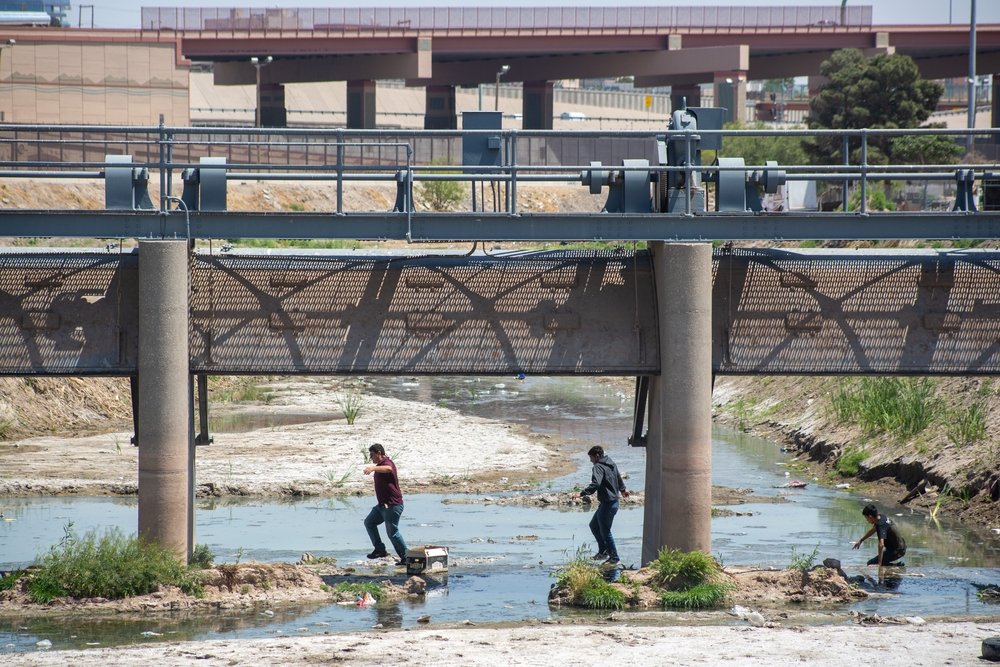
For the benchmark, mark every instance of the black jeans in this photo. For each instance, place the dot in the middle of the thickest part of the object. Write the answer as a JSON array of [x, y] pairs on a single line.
[[888, 555]]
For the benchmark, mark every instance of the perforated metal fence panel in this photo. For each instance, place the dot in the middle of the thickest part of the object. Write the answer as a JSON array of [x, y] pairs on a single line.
[[774, 312], [856, 312], [555, 313], [68, 314]]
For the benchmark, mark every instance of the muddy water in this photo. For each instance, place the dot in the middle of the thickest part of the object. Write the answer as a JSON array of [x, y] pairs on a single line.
[[502, 558]]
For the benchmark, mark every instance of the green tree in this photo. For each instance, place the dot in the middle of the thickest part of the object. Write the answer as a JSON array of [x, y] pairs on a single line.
[[926, 149], [758, 150], [883, 92]]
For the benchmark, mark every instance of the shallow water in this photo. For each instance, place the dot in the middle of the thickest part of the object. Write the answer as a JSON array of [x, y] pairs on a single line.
[[502, 558]]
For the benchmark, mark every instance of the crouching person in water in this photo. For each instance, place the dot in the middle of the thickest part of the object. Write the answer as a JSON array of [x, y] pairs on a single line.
[[891, 545]]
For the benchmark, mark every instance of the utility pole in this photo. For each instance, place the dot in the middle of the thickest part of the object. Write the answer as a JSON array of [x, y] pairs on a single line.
[[970, 139]]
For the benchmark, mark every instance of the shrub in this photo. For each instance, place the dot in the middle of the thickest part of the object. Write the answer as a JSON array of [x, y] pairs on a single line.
[[201, 558], [803, 562], [441, 195], [111, 566]]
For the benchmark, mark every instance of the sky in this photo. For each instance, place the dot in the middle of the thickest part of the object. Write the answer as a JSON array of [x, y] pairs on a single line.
[[125, 13]]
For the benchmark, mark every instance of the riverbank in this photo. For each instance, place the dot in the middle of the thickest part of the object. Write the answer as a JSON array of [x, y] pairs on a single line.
[[935, 470], [434, 448], [932, 644]]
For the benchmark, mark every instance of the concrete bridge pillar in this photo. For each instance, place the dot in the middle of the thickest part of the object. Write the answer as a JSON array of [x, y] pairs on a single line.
[[163, 431], [678, 511], [439, 108], [731, 93], [361, 104], [536, 105], [271, 102]]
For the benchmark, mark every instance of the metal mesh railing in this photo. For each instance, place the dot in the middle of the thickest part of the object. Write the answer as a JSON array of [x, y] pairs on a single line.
[[380, 20]]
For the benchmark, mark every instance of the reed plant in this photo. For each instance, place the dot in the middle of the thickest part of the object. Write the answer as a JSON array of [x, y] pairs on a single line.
[[968, 425], [351, 401], [902, 406]]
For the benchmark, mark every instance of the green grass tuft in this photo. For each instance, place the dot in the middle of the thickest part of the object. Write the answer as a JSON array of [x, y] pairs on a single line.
[[849, 462], [702, 596], [690, 580], [679, 570]]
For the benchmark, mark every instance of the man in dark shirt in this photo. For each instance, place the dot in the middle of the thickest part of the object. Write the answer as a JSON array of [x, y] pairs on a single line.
[[608, 484], [891, 545], [390, 505]]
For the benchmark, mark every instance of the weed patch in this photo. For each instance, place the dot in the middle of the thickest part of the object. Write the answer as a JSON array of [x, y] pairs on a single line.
[[110, 566], [902, 406]]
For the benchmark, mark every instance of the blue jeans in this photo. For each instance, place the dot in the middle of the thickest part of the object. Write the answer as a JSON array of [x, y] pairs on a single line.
[[390, 516], [600, 526]]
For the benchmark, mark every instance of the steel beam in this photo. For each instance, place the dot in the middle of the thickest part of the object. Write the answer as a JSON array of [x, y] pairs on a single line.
[[432, 227]]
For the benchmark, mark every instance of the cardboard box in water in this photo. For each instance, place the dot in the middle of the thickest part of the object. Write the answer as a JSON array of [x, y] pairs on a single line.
[[427, 559]]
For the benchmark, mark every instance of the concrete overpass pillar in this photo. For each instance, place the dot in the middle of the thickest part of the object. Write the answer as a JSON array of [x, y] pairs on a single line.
[[995, 116], [680, 93], [536, 105], [439, 113], [678, 511], [163, 430], [271, 102], [731, 93], [361, 104]]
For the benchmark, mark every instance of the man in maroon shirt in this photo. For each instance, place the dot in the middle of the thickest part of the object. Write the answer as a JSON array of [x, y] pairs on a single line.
[[390, 505]]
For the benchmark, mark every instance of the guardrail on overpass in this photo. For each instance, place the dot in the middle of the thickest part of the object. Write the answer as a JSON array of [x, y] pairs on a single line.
[[511, 20]]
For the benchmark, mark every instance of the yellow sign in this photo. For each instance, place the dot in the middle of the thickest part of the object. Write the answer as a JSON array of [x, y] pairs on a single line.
[[649, 101]]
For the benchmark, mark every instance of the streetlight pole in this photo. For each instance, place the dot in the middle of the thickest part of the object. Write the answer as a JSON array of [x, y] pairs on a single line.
[[496, 90], [970, 139], [258, 63]]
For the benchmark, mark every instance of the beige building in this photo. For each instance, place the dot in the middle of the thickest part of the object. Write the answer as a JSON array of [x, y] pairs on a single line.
[[109, 77]]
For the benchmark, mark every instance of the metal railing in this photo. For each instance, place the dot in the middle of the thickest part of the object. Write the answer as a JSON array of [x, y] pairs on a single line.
[[521, 157], [505, 20]]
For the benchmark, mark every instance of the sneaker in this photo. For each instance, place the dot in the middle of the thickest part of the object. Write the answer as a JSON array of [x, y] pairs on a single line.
[[601, 555], [378, 553], [400, 562], [612, 562]]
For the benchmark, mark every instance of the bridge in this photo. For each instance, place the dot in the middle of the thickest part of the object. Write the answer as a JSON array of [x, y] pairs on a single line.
[[674, 314], [441, 48]]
